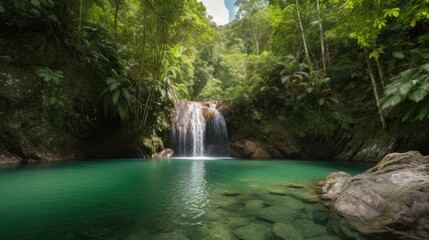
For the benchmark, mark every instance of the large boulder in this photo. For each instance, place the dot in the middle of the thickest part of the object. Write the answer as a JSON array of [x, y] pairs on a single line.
[[166, 153], [391, 200], [255, 150], [333, 184]]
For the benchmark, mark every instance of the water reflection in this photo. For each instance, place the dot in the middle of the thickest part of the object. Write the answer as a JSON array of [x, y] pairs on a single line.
[[194, 194]]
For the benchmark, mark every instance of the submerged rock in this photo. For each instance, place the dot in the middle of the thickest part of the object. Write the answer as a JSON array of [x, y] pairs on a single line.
[[112, 227], [176, 235], [320, 213], [292, 185], [309, 229], [218, 231], [219, 214], [279, 192], [236, 222], [253, 205], [277, 214], [390, 200], [304, 196], [286, 232], [253, 232], [324, 237], [230, 193]]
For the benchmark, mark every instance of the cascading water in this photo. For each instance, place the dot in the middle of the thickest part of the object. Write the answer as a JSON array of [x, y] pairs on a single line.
[[216, 134], [198, 129], [188, 126]]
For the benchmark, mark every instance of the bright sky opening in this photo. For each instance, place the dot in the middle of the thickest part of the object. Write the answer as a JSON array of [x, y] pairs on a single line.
[[222, 11]]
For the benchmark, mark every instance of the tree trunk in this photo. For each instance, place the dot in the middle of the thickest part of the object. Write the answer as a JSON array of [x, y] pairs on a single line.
[[374, 88], [381, 73], [256, 37], [144, 37], [257, 46], [80, 18], [307, 54], [116, 17], [322, 38]]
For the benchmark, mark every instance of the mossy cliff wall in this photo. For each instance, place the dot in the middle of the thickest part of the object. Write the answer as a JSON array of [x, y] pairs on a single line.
[[33, 129], [348, 138]]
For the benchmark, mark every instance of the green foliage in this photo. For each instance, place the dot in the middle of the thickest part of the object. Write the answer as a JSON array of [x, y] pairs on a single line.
[[118, 96], [23, 13], [154, 143], [149, 54], [53, 94], [410, 86], [49, 75]]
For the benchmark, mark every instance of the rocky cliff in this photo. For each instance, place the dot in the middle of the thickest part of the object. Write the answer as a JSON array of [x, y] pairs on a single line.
[[344, 139], [41, 123]]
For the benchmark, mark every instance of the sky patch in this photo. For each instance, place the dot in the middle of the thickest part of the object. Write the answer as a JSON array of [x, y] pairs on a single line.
[[222, 11]]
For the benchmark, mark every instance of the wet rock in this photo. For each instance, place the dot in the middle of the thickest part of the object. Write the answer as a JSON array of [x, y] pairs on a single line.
[[230, 193], [224, 202], [255, 150], [218, 232], [292, 185], [253, 232], [320, 214], [304, 196], [254, 205], [277, 214], [270, 200], [236, 222], [324, 237], [176, 235], [279, 192], [216, 214], [143, 234], [332, 185], [166, 153], [389, 200], [286, 232], [309, 229]]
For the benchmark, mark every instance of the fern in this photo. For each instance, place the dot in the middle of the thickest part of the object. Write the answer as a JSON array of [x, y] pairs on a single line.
[[409, 92]]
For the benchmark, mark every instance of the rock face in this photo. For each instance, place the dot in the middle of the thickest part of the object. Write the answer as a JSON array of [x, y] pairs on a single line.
[[346, 138], [34, 130], [391, 200]]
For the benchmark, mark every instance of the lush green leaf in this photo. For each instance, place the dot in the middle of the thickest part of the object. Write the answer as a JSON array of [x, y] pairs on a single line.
[[418, 95]]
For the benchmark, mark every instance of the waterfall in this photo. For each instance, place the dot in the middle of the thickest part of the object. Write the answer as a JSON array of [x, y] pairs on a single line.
[[198, 129], [216, 134]]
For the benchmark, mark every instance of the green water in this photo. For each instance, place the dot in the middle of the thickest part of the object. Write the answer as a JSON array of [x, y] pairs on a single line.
[[145, 199]]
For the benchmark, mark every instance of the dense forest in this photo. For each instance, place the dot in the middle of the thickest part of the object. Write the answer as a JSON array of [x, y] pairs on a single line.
[[107, 74]]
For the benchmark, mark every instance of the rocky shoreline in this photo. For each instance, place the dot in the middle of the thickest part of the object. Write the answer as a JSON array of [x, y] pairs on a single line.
[[389, 201]]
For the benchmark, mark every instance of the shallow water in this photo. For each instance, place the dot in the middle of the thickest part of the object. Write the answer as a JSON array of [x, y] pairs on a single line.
[[159, 199]]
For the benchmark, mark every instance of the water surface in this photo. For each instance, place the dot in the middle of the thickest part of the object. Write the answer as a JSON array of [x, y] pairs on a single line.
[[146, 199]]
